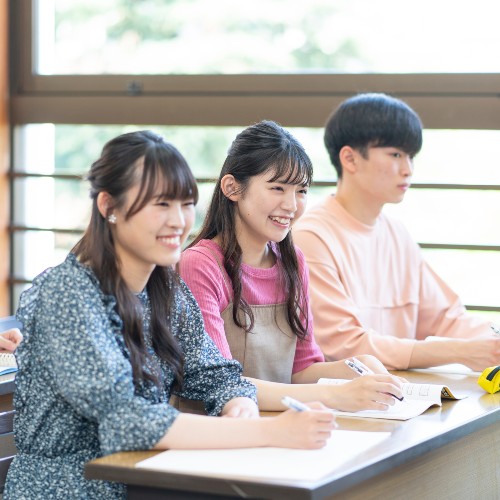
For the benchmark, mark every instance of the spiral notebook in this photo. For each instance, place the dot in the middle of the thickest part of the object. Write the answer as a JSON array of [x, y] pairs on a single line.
[[7, 363]]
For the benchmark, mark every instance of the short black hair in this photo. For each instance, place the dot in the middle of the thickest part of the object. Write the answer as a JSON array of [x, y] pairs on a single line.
[[372, 120]]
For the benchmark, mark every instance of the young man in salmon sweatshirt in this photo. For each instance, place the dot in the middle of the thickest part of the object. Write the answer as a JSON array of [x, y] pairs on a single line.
[[371, 290]]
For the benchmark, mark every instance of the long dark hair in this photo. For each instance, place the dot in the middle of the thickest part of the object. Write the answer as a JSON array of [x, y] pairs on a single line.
[[147, 159], [260, 148]]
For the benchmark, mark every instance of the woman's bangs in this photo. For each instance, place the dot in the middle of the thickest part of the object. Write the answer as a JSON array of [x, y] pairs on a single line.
[[174, 181], [171, 180], [297, 172]]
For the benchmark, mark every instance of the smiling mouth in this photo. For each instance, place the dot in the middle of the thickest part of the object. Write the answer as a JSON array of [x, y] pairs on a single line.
[[281, 220], [170, 240]]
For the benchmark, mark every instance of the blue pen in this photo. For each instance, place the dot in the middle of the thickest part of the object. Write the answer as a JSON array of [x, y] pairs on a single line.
[[294, 404]]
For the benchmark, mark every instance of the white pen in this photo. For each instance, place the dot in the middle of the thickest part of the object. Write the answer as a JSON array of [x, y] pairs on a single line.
[[357, 366], [495, 328], [294, 404]]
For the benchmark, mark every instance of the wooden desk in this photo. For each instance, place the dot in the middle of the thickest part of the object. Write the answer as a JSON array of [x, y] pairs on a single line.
[[451, 451], [7, 446]]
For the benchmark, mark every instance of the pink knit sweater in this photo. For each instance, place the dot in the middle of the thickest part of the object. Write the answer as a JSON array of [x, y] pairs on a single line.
[[202, 274]]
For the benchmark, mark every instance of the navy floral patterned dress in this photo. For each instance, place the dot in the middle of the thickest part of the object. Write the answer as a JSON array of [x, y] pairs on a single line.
[[75, 399]]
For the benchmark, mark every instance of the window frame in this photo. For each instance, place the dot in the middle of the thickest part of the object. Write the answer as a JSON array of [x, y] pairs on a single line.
[[443, 101]]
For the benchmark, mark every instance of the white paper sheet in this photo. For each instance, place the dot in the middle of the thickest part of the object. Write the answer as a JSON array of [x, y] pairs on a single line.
[[268, 463]]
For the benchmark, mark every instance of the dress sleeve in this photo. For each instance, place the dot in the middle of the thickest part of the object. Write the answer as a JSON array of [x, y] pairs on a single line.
[[76, 330], [338, 329], [441, 312], [203, 276], [208, 376], [307, 351]]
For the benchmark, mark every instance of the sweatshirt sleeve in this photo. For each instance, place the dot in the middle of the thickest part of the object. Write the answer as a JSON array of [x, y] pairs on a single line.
[[337, 326], [441, 312]]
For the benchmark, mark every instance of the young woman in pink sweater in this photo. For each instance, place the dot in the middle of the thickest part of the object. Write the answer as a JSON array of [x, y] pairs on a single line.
[[251, 282]]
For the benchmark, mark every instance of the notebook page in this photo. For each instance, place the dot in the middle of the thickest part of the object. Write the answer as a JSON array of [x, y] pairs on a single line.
[[268, 463]]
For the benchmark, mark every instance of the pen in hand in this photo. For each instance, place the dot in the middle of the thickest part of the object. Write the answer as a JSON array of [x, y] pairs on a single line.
[[357, 366], [361, 369], [495, 328], [294, 404]]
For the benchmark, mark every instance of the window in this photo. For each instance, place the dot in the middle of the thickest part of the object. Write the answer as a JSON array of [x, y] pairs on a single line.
[[264, 36], [198, 75]]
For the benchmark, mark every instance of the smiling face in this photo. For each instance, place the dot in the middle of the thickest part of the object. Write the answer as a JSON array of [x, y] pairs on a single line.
[[151, 237], [266, 210]]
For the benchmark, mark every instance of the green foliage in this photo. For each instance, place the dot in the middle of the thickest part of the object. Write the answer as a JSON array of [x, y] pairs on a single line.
[[77, 146], [200, 36], [146, 19]]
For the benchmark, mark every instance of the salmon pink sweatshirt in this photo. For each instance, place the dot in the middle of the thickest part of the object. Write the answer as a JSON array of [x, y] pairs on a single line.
[[371, 290]]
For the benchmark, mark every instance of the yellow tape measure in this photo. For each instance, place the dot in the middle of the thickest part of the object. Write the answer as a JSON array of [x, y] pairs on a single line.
[[489, 380]]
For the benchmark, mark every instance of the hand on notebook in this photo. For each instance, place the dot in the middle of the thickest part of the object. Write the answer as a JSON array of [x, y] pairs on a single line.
[[370, 392], [10, 339]]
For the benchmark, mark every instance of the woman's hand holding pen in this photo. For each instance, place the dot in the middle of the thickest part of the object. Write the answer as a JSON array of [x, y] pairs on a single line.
[[382, 392], [309, 429], [371, 362], [370, 392]]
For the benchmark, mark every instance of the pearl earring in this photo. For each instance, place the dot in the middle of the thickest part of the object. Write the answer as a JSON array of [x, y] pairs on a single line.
[[112, 219]]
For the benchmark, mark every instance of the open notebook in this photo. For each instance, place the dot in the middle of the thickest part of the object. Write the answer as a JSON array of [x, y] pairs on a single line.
[[417, 399], [7, 363]]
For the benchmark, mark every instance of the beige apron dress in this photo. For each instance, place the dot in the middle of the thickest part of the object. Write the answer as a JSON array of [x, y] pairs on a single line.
[[267, 352]]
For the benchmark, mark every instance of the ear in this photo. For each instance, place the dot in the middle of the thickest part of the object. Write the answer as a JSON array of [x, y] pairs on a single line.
[[104, 203], [348, 157], [230, 187]]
